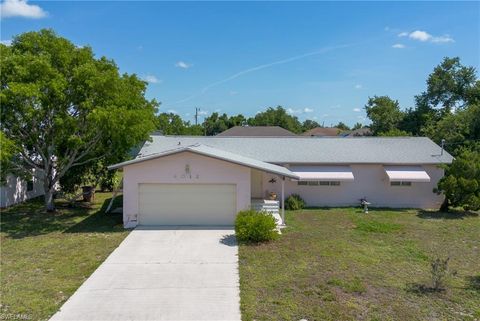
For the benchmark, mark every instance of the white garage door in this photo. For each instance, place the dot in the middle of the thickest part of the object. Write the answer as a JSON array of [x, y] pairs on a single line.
[[186, 204]]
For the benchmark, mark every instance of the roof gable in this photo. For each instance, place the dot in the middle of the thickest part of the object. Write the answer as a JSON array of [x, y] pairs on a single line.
[[214, 153]]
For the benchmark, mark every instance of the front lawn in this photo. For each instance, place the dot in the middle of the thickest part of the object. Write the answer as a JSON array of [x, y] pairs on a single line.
[[341, 264], [45, 257]]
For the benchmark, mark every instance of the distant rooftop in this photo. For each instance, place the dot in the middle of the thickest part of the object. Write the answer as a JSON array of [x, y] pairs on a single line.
[[322, 131], [258, 131]]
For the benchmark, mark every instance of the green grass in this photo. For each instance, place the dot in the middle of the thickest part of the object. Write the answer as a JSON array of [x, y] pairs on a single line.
[[45, 257], [342, 264]]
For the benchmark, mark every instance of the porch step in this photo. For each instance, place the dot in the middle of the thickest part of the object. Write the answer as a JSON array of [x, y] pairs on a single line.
[[269, 206]]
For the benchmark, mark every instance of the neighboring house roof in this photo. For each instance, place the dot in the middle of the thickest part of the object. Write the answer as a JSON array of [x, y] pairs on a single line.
[[322, 131], [298, 150], [364, 131], [215, 153], [242, 131]]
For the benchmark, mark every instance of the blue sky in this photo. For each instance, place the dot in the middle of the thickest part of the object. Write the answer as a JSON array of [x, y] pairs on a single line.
[[320, 60]]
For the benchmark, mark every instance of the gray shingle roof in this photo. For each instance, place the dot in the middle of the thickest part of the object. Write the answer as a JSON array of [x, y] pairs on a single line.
[[284, 150], [215, 153], [242, 131]]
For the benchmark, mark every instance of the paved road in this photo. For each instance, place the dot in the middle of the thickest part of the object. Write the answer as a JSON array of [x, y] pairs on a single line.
[[163, 274]]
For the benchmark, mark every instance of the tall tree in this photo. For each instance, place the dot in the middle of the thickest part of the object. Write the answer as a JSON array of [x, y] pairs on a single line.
[[357, 126], [309, 124], [342, 126], [276, 117], [63, 108], [384, 113], [449, 85]]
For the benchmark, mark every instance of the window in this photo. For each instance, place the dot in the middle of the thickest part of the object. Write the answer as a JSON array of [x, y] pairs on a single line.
[[318, 183], [401, 183], [29, 185]]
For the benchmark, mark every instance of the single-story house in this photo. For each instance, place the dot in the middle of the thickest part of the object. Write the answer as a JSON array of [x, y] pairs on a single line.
[[17, 190], [182, 180], [242, 131]]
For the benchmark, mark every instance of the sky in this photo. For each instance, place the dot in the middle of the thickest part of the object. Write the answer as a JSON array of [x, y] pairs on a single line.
[[319, 60]]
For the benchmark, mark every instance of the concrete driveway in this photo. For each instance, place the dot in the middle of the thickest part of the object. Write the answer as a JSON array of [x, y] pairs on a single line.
[[183, 273]]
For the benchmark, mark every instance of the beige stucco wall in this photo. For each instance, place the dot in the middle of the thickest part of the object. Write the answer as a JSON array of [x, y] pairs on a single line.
[[371, 182], [15, 190], [171, 169]]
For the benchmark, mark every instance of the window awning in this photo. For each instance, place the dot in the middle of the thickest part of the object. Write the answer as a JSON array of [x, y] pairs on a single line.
[[323, 173], [406, 173]]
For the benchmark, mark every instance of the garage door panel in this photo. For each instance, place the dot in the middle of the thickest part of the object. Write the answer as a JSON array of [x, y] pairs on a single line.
[[187, 204]]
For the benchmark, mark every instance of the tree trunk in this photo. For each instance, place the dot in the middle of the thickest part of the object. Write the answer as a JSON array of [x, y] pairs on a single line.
[[49, 204], [48, 187], [444, 206]]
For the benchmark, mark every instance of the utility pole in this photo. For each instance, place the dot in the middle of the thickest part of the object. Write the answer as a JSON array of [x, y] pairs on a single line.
[[196, 115]]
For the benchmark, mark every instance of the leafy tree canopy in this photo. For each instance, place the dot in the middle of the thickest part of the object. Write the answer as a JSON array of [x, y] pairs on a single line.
[[461, 184], [384, 113], [276, 117], [63, 108]]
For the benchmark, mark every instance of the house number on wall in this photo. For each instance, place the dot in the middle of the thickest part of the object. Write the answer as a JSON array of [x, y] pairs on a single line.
[[187, 174]]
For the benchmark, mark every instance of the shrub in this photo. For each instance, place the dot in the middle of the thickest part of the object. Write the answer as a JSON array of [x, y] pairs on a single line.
[[255, 227], [439, 272], [294, 202]]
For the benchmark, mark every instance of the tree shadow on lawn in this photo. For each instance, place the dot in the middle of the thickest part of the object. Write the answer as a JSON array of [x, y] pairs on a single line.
[[451, 215], [359, 209], [473, 283], [30, 219], [422, 289]]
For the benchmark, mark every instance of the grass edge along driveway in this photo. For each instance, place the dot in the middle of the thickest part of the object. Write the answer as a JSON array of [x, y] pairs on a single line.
[[45, 257]]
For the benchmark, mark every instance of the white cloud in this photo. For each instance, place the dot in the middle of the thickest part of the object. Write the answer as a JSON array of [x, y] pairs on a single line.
[[442, 39], [233, 92], [294, 111], [299, 111], [218, 110], [151, 79], [183, 65], [172, 111], [398, 46], [420, 35], [357, 110], [424, 36], [21, 8], [358, 86], [203, 112], [6, 42]]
